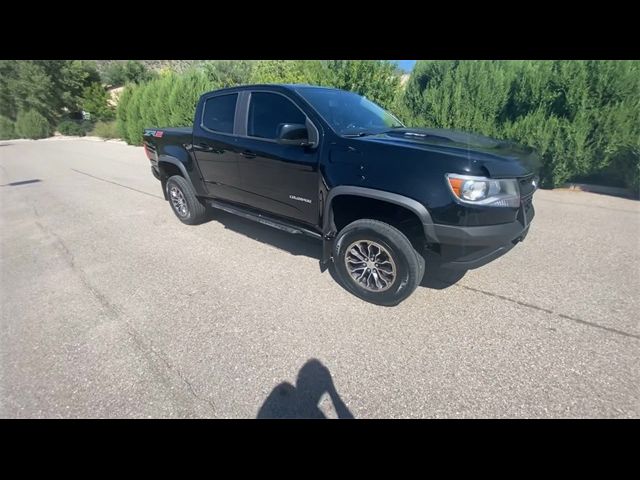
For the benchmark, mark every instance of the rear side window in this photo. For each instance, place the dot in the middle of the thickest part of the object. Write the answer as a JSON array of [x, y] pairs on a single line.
[[219, 113], [269, 110]]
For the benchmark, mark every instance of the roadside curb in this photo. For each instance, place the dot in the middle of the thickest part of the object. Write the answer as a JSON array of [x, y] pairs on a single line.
[[60, 138], [100, 139], [585, 187]]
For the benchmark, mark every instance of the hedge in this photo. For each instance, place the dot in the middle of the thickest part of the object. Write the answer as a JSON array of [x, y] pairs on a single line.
[[31, 124], [106, 130], [7, 129], [583, 117], [73, 128]]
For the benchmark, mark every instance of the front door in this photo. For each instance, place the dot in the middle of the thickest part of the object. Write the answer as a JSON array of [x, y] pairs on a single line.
[[280, 179]]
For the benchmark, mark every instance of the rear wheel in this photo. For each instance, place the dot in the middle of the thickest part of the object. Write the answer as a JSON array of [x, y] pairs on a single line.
[[377, 262], [184, 203]]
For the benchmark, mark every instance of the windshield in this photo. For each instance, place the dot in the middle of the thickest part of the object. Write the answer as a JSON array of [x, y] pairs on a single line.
[[348, 113]]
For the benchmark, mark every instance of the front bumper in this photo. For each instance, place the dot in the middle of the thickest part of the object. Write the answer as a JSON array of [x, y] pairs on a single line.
[[472, 247]]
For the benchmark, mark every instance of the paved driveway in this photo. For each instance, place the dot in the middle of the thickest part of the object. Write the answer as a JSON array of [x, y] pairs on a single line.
[[110, 307]]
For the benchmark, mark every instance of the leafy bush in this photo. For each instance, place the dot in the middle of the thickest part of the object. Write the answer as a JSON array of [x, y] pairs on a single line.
[[7, 129], [582, 116], [32, 124], [170, 100], [72, 128], [122, 111], [49, 87], [283, 71], [374, 79], [131, 71], [95, 100], [106, 130], [161, 105], [228, 73], [134, 124], [184, 97], [147, 105]]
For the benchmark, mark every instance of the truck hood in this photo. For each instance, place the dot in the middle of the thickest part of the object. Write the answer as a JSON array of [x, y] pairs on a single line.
[[500, 158]]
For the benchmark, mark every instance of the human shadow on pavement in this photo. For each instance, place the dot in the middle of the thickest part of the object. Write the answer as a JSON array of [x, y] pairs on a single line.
[[303, 399]]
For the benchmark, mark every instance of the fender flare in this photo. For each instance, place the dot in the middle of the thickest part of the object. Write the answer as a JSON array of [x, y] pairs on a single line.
[[174, 161], [410, 204], [183, 169], [328, 226]]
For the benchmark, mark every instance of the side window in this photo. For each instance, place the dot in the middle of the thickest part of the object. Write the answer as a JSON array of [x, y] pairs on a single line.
[[267, 111], [219, 113]]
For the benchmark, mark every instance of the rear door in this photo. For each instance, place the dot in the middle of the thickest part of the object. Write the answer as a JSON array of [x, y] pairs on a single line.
[[215, 145], [280, 179]]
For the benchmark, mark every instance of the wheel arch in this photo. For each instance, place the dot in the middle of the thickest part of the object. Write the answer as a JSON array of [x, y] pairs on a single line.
[[328, 222], [169, 164], [410, 204]]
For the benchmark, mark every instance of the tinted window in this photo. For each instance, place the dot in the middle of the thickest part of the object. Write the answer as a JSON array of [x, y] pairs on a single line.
[[219, 113], [269, 110], [347, 112]]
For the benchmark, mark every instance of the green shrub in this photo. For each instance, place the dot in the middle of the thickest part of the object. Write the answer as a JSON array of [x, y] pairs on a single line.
[[106, 130], [31, 124], [72, 128], [134, 71], [377, 80], [147, 105], [161, 106], [184, 97], [582, 116], [7, 129], [95, 100], [122, 110], [228, 73], [134, 124], [281, 71]]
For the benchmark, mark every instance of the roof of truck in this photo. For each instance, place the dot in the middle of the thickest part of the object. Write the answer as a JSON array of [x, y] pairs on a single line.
[[289, 86]]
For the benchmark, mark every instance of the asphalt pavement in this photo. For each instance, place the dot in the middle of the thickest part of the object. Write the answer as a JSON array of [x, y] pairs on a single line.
[[110, 307]]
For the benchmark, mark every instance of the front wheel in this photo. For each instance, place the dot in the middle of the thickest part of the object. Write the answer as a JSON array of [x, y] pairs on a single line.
[[377, 262], [184, 203]]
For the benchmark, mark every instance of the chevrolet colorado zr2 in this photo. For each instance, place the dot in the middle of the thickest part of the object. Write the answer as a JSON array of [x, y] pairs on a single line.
[[382, 198]]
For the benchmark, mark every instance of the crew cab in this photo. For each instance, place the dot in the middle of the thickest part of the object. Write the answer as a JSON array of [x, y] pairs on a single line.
[[385, 200]]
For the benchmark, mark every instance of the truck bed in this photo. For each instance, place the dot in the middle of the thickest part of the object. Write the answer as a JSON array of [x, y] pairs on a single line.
[[167, 141]]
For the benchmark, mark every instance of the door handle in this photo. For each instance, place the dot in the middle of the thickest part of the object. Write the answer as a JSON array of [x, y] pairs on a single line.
[[248, 154]]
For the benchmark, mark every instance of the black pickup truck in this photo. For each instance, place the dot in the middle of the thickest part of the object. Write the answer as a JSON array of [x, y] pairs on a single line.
[[383, 199]]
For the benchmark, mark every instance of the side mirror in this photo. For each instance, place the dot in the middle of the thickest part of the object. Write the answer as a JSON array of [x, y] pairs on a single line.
[[293, 134]]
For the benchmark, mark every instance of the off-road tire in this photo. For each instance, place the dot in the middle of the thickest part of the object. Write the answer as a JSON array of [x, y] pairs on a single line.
[[183, 201], [406, 262]]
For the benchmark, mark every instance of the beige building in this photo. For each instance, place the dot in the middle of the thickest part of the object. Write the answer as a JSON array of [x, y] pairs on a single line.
[[114, 95]]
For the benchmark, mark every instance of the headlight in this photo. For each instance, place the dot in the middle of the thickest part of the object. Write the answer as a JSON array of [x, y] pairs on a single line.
[[485, 191]]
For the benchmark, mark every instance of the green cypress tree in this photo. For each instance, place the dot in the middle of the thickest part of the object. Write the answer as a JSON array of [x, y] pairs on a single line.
[[185, 95], [134, 118], [161, 104], [121, 111]]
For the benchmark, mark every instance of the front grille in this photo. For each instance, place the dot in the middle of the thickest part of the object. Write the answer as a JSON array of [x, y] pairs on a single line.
[[527, 186]]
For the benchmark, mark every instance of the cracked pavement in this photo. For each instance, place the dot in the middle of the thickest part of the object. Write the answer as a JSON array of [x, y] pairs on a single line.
[[110, 307]]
